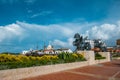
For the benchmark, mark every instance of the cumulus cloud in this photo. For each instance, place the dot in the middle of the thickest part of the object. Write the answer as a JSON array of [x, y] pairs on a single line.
[[25, 35], [105, 31], [9, 32], [63, 44]]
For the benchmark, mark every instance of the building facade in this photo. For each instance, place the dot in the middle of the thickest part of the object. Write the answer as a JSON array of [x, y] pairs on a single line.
[[50, 50], [118, 42]]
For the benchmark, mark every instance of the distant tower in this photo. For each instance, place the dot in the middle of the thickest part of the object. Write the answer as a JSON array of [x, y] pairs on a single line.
[[44, 46], [37, 46], [50, 46]]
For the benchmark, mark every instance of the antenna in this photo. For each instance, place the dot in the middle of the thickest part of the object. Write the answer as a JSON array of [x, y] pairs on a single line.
[[37, 46], [44, 46]]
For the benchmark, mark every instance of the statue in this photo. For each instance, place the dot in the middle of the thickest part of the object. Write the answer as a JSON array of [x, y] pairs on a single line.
[[81, 43], [100, 44], [84, 44]]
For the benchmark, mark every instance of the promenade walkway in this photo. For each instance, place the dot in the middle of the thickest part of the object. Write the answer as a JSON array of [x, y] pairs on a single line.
[[104, 71]]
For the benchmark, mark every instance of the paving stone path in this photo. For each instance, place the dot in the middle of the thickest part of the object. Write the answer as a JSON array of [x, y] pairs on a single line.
[[104, 71]]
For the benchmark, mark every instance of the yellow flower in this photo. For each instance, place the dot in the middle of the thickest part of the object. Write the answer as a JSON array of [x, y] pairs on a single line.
[[75, 55], [38, 58], [54, 57]]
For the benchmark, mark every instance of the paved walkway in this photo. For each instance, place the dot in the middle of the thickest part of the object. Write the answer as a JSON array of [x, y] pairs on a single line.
[[104, 71]]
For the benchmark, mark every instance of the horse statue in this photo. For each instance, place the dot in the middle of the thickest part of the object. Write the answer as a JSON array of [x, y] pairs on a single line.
[[81, 43]]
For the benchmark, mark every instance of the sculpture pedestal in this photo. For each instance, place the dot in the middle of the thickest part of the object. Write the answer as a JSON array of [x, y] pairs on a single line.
[[89, 56]]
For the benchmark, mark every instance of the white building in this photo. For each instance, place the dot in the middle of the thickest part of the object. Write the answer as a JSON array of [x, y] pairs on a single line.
[[48, 50], [66, 50], [91, 43], [51, 50], [27, 51], [24, 52]]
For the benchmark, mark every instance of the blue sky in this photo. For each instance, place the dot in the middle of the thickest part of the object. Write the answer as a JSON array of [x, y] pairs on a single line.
[[25, 23]]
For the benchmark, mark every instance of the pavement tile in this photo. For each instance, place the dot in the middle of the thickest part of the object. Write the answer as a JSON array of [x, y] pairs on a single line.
[[65, 76], [104, 71]]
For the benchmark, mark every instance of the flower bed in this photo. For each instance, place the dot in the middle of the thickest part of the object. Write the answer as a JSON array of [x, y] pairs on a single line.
[[8, 61]]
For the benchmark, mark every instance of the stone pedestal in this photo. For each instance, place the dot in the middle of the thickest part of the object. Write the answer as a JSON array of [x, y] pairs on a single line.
[[89, 56]]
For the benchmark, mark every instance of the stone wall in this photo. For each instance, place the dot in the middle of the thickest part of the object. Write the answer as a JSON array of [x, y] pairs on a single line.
[[90, 56], [16, 74]]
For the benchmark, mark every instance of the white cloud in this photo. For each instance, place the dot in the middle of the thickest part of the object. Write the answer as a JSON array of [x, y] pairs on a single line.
[[9, 32], [60, 35], [24, 33], [43, 13], [105, 31], [63, 44], [53, 30]]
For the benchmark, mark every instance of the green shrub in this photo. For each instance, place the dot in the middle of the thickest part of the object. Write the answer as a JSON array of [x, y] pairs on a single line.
[[116, 54], [98, 56], [71, 57], [67, 57]]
